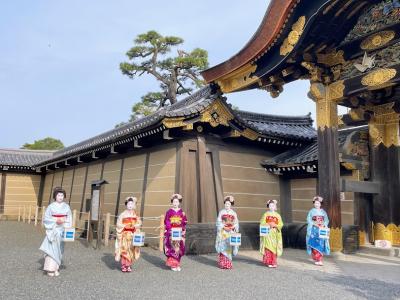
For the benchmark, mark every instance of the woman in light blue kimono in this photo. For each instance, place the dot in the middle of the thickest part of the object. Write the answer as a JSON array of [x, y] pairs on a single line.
[[317, 218], [227, 223], [56, 218]]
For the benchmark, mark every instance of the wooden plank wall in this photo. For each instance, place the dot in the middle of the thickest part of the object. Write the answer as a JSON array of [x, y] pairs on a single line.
[[244, 178], [58, 178], [111, 173], [67, 183], [303, 190], [47, 189], [132, 180], [160, 183], [93, 173], [77, 189], [21, 190], [156, 180]]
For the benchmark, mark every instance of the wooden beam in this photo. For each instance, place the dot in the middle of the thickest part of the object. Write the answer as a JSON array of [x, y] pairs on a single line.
[[366, 187]]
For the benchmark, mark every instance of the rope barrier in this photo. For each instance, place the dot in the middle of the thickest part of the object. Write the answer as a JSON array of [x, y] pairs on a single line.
[[34, 213]]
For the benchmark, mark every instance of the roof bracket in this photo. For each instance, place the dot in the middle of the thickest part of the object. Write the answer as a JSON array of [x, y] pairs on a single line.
[[136, 144], [166, 135], [112, 150]]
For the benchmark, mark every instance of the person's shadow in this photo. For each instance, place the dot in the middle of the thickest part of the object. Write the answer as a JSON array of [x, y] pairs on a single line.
[[109, 260], [154, 260], [203, 259]]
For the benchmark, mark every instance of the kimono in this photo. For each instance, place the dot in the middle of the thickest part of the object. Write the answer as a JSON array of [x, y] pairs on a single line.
[[53, 245], [315, 246], [124, 250], [227, 222], [174, 250], [271, 245]]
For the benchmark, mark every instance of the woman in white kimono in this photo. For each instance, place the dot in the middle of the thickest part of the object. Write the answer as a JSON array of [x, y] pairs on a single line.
[[57, 217], [227, 223]]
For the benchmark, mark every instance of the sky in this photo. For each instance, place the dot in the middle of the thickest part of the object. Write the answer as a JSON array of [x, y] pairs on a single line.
[[59, 61]]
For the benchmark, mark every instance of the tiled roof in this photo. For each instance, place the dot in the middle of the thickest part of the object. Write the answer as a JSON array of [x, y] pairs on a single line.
[[307, 153], [23, 157], [294, 127]]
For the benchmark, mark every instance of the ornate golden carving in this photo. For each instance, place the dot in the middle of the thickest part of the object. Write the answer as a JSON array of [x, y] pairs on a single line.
[[326, 97], [174, 122], [361, 237], [384, 125], [331, 59], [340, 121], [336, 239], [234, 133], [390, 233], [247, 133], [377, 40], [293, 37], [314, 71], [216, 114], [238, 79], [188, 127], [348, 166], [250, 134], [378, 78]]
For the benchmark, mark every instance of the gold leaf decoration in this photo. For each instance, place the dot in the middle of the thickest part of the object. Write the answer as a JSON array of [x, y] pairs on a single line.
[[293, 37], [378, 77], [391, 233], [336, 239], [332, 58], [377, 40], [238, 79]]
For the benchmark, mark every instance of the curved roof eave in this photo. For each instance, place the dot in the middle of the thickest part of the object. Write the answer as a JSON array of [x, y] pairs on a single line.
[[267, 32]]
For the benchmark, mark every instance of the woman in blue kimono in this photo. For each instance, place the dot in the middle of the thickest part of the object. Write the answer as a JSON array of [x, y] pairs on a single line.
[[227, 223], [56, 218], [317, 218]]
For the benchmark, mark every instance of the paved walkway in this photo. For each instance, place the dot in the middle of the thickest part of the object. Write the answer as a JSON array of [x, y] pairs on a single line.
[[93, 274]]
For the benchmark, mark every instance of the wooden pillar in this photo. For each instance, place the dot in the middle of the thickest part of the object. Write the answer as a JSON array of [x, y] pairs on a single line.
[[3, 182], [326, 97], [161, 237], [36, 214], [384, 134], [43, 213], [107, 229], [74, 216]]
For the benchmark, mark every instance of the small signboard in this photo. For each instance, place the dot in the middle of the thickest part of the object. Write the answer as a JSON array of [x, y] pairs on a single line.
[[69, 235], [323, 233], [138, 239], [235, 239], [176, 234], [264, 230], [95, 203]]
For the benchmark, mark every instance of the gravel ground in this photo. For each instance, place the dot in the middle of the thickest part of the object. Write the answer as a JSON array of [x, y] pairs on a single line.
[[93, 274]]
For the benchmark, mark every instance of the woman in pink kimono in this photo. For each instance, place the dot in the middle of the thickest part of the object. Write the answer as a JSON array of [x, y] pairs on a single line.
[[174, 218]]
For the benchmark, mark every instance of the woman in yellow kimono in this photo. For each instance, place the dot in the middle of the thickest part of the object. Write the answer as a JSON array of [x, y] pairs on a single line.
[[127, 224], [271, 244]]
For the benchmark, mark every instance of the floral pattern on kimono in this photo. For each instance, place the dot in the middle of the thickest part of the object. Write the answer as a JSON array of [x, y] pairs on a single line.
[[317, 218], [273, 240], [227, 222], [126, 226], [174, 250]]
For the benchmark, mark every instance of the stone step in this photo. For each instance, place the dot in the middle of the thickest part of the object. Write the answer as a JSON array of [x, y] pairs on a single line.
[[370, 249]]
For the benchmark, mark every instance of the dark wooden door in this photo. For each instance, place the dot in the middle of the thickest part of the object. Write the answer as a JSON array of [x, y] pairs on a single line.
[[198, 182]]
